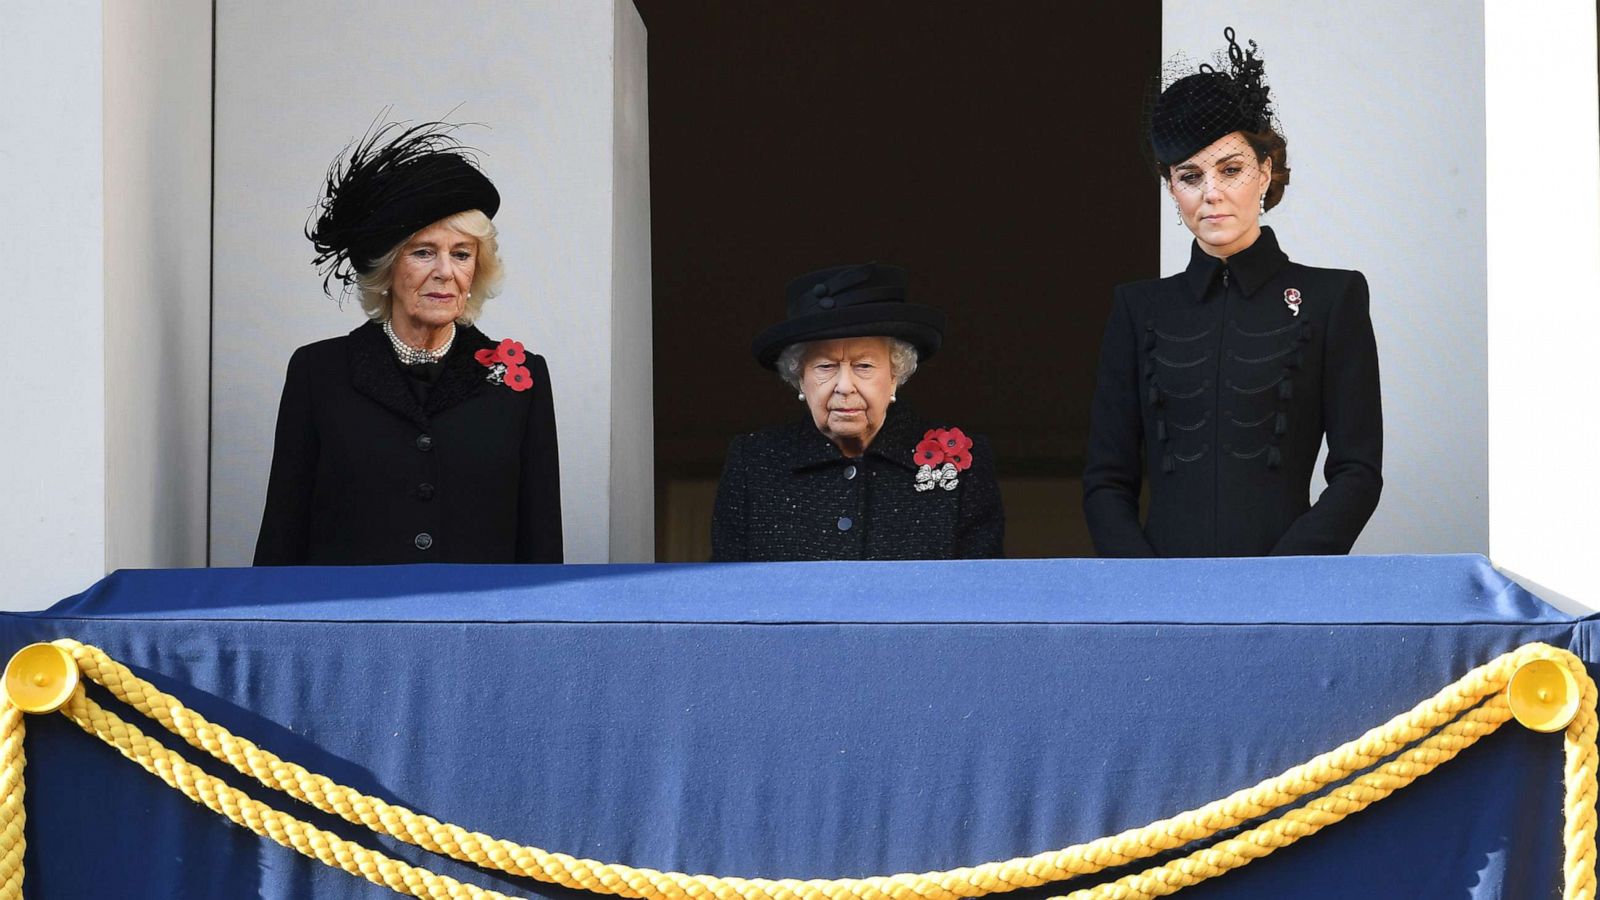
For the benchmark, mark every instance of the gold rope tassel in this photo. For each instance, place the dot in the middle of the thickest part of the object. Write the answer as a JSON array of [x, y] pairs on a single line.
[[1445, 724]]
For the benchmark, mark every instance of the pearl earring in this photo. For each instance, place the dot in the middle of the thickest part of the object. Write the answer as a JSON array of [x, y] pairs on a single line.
[[1263, 204], [893, 398], [800, 396], [469, 295], [1180, 215], [386, 292]]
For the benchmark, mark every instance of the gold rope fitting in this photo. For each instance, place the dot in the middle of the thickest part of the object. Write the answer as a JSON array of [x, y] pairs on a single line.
[[1543, 695], [40, 678]]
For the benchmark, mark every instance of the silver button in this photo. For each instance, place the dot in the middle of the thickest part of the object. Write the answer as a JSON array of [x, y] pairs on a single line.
[[423, 541], [845, 523], [849, 472], [424, 442]]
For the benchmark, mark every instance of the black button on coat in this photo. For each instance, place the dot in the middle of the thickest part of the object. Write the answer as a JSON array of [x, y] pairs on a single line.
[[787, 493], [1214, 390], [365, 469]]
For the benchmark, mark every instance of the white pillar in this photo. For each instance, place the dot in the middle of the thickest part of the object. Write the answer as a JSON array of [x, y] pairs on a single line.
[[157, 280], [1544, 294], [561, 87], [1382, 105], [53, 520]]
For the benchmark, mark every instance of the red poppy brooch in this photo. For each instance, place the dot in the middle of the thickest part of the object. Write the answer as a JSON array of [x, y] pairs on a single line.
[[505, 364], [941, 456]]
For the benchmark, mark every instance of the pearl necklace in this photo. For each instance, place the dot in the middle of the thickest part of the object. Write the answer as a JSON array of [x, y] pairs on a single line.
[[410, 355]]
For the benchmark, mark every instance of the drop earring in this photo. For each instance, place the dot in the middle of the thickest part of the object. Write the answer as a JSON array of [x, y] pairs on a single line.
[[1263, 204], [1180, 216]]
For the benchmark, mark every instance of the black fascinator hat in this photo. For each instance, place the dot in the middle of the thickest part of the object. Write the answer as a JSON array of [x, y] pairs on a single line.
[[1199, 108], [851, 301], [385, 187]]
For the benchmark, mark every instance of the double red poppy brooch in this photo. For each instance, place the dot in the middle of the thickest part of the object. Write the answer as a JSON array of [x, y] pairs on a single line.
[[505, 364], [941, 456]]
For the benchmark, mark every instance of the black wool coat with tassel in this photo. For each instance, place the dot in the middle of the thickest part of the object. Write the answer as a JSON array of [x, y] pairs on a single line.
[[1216, 388], [365, 472], [787, 493]]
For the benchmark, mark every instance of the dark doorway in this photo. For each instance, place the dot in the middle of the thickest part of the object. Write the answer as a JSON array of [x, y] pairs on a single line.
[[992, 149]]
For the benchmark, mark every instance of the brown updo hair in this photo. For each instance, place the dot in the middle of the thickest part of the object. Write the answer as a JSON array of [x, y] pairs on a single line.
[[1267, 144]]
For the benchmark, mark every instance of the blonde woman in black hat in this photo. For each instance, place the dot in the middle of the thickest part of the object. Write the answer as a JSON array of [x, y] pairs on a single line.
[[1217, 385], [860, 476], [414, 438]]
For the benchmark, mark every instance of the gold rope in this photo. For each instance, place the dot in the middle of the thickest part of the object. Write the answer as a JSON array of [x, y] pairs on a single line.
[[1445, 724]]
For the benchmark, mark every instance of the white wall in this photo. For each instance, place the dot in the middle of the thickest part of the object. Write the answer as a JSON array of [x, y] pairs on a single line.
[[157, 280], [1383, 108], [633, 496], [52, 457], [1544, 295], [298, 79]]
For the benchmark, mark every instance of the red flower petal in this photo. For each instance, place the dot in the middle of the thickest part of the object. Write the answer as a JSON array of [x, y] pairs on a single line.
[[485, 356], [932, 434], [511, 352], [955, 439], [929, 453], [518, 378], [960, 458]]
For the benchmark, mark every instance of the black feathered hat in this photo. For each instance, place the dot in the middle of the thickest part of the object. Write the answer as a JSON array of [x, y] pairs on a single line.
[[851, 301], [1196, 110], [392, 183]]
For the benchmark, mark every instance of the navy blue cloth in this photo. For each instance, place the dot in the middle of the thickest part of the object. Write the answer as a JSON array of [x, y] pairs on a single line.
[[802, 719]]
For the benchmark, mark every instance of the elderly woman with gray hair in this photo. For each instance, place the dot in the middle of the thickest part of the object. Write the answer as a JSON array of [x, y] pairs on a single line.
[[414, 438], [860, 477]]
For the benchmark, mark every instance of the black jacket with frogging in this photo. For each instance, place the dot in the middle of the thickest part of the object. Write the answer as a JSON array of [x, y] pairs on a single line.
[[787, 493], [365, 472], [1214, 391]]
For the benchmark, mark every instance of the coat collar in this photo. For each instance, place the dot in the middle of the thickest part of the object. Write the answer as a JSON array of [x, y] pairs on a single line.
[[1252, 266], [896, 441], [375, 373]]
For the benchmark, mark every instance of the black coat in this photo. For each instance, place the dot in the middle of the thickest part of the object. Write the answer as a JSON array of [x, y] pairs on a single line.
[[363, 471], [787, 493], [1216, 392]]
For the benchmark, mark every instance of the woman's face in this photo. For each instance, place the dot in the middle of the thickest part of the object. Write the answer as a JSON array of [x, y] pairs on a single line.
[[432, 276], [848, 384], [1218, 192]]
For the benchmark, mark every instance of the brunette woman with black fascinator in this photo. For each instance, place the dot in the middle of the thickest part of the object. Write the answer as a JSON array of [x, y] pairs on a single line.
[[1218, 384], [414, 438]]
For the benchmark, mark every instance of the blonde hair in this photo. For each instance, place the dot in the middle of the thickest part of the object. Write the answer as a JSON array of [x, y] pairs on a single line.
[[373, 286]]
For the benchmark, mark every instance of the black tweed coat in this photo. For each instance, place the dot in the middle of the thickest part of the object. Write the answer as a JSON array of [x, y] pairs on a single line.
[[787, 493], [1218, 394], [363, 471]]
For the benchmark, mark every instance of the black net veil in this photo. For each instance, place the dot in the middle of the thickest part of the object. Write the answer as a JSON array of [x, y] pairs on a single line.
[[1195, 111]]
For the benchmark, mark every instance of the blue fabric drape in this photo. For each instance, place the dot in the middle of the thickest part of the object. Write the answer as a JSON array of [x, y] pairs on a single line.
[[806, 719]]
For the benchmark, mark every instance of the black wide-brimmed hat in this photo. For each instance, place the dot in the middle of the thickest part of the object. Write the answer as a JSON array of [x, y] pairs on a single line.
[[851, 301], [387, 186], [1197, 109]]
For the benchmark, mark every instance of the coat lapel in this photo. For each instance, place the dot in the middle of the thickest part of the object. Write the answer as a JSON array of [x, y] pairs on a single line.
[[374, 373], [462, 376]]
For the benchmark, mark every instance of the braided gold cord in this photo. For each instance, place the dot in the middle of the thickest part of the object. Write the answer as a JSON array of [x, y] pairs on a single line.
[[221, 797], [649, 884], [12, 812], [1445, 724]]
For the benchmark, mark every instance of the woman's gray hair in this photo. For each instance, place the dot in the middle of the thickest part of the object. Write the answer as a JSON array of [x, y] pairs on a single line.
[[372, 287], [902, 362]]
